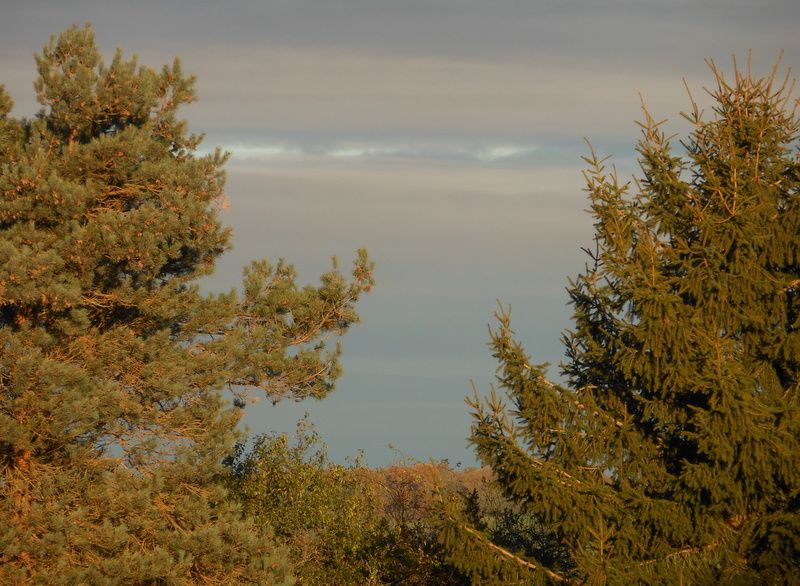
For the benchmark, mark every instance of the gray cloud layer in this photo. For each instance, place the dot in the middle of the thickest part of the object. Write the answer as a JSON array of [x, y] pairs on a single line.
[[631, 30]]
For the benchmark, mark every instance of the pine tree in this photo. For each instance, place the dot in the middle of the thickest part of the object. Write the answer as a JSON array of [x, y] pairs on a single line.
[[115, 370], [671, 453]]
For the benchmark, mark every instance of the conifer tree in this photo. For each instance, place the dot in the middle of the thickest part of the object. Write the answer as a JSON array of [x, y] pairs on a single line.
[[671, 453], [113, 364]]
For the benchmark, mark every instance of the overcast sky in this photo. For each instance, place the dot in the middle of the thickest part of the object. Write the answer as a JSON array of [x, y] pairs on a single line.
[[443, 135]]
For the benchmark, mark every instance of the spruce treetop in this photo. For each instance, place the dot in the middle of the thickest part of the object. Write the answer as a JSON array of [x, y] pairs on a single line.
[[672, 452]]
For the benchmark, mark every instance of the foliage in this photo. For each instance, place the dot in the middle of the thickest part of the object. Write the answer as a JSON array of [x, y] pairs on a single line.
[[509, 526], [321, 511], [341, 524], [672, 453], [112, 363], [406, 545]]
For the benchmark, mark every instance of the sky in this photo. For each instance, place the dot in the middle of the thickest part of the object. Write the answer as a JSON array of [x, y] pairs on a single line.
[[444, 136]]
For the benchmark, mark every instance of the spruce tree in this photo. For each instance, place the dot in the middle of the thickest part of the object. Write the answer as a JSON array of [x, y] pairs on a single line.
[[116, 371], [671, 453]]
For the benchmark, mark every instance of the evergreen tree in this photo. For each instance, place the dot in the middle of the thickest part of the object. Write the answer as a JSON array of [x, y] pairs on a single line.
[[113, 425], [671, 454]]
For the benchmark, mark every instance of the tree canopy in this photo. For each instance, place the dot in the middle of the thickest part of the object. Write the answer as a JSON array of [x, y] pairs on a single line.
[[116, 371], [671, 453]]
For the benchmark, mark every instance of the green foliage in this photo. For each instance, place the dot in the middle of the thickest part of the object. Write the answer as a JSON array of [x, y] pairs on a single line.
[[672, 453], [344, 524], [322, 512], [112, 425]]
